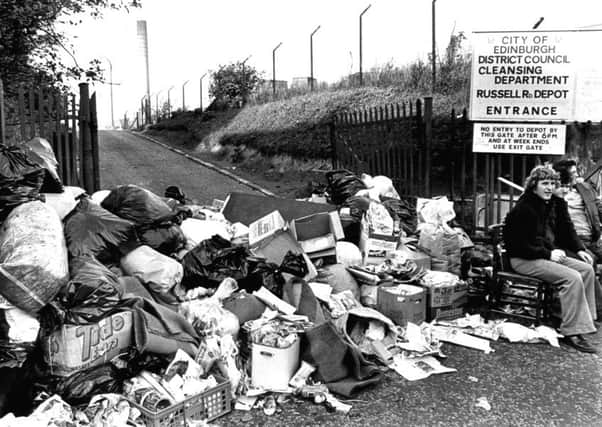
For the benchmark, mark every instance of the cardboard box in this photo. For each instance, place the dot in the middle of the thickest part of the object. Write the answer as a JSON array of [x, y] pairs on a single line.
[[273, 246], [318, 233], [247, 207], [378, 237], [265, 227], [448, 312], [402, 303], [272, 368], [76, 347], [443, 296]]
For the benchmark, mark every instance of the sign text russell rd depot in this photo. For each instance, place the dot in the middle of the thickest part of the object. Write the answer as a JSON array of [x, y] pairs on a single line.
[[536, 76]]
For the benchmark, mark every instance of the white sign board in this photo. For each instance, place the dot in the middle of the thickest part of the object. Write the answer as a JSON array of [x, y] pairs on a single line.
[[518, 138], [536, 76]]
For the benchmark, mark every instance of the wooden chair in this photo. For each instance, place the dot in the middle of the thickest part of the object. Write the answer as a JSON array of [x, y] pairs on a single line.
[[509, 287]]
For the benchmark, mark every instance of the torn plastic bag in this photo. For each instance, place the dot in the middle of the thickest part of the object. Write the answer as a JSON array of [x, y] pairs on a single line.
[[157, 271], [138, 205], [14, 354], [208, 315], [80, 387], [33, 256], [64, 203], [93, 230], [165, 238], [343, 184], [197, 230], [380, 186], [404, 211], [20, 179], [41, 153], [214, 260], [92, 292]]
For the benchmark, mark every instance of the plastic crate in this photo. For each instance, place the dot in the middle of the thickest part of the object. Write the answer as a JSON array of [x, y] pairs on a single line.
[[208, 406]]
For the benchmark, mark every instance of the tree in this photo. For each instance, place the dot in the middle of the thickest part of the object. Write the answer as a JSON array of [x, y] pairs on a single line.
[[231, 84], [30, 41]]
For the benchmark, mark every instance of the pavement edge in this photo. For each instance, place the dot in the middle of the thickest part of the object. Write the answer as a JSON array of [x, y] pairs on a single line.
[[208, 165]]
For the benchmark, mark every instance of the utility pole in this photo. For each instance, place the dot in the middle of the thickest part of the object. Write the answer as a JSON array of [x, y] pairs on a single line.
[[169, 102], [201, 91], [244, 80], [361, 73], [274, 68], [157, 104], [433, 52], [111, 90], [184, 96], [311, 58]]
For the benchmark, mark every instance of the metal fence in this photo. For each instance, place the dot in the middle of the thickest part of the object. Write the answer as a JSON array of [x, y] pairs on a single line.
[[426, 155], [70, 126]]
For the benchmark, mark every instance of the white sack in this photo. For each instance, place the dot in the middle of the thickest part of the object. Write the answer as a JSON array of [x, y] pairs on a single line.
[[159, 272], [33, 256]]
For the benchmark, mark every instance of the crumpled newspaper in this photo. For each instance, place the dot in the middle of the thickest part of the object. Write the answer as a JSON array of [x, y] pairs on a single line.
[[515, 332]]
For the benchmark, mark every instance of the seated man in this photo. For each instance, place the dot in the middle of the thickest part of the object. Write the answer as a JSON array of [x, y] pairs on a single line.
[[585, 212], [537, 234]]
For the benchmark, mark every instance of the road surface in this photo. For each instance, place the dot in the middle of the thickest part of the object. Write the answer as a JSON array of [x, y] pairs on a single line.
[[127, 158]]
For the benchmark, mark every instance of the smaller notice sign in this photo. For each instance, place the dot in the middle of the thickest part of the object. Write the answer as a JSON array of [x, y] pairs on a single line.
[[518, 138]]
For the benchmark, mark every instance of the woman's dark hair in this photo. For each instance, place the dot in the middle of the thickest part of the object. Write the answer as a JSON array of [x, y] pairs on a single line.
[[563, 168]]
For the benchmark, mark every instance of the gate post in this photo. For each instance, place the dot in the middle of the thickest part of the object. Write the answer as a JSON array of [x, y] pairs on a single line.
[[94, 143], [428, 143], [2, 118], [87, 157]]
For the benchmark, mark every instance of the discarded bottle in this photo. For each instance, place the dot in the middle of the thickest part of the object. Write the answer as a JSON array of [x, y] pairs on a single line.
[[269, 405]]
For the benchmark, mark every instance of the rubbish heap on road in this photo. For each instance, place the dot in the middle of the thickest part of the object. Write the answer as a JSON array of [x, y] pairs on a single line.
[[125, 307]]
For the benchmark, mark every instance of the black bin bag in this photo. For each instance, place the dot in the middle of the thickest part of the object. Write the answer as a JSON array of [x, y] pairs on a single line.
[[94, 231], [21, 178], [213, 260], [139, 205], [92, 293]]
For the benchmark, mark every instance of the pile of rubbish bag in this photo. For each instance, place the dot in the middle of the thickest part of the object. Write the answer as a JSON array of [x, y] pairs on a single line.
[[125, 307]]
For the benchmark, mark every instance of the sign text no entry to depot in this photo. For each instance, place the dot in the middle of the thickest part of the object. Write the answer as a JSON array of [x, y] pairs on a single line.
[[518, 138]]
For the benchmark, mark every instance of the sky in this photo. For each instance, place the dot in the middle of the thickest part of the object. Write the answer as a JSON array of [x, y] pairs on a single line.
[[187, 38]]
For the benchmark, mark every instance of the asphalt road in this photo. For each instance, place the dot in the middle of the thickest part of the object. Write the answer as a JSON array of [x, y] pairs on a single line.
[[525, 384], [126, 158]]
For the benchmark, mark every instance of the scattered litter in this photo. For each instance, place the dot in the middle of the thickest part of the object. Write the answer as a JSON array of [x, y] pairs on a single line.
[[483, 403], [418, 368]]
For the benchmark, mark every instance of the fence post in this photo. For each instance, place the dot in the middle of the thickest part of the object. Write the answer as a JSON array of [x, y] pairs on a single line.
[[428, 142], [87, 160], [94, 143], [333, 144], [2, 115]]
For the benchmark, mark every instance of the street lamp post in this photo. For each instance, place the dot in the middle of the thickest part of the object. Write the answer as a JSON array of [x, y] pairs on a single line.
[[169, 102], [244, 80], [311, 58], [274, 68], [142, 109], [433, 53], [111, 90], [201, 91], [184, 95], [157, 104], [361, 73]]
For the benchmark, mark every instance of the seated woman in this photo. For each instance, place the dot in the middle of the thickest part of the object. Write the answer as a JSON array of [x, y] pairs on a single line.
[[537, 234]]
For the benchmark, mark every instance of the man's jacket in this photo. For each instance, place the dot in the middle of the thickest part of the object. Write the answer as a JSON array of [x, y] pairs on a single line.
[[534, 227], [592, 208]]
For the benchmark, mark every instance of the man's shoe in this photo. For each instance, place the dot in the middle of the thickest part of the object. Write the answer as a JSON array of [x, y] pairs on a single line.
[[579, 343]]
